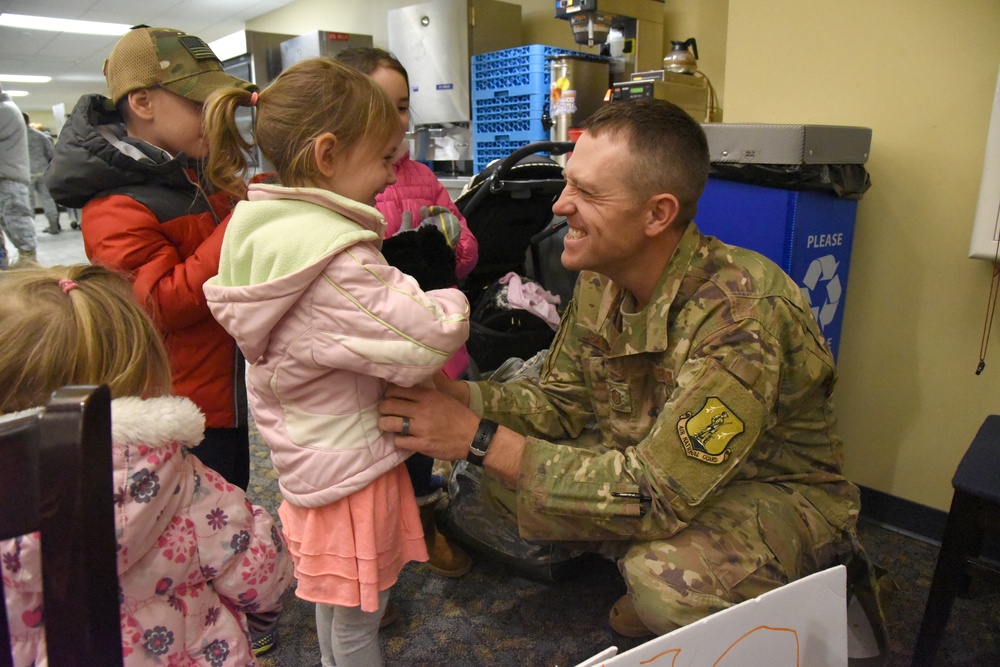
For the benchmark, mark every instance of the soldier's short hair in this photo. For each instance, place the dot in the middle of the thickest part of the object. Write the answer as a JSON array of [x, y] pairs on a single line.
[[669, 148]]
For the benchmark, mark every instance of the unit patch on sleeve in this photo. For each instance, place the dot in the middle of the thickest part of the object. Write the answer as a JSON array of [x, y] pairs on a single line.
[[707, 433]]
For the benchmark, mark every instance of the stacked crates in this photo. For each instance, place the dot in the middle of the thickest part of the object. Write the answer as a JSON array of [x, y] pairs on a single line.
[[510, 94]]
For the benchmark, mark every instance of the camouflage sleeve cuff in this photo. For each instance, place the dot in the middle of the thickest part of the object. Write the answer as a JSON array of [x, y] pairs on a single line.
[[566, 492], [475, 398]]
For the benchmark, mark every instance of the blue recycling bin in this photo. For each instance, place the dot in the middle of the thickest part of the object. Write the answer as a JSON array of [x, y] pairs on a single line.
[[807, 233]]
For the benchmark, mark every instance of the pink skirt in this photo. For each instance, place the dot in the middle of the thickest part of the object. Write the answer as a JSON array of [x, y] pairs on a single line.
[[346, 552]]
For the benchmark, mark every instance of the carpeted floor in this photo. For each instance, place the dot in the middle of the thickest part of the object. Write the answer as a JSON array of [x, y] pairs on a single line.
[[493, 616]]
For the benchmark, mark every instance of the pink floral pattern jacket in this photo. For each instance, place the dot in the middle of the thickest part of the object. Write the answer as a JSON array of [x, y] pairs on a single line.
[[193, 554]]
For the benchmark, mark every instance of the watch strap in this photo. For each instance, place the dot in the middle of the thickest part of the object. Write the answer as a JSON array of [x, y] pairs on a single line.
[[481, 442]]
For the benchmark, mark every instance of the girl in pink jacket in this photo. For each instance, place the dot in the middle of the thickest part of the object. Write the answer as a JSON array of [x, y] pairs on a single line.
[[326, 324], [416, 197], [193, 555]]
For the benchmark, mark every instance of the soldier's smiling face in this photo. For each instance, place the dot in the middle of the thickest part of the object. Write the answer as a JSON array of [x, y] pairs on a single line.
[[605, 216]]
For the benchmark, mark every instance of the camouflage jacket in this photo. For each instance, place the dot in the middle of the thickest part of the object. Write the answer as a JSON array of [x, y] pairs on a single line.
[[723, 377]]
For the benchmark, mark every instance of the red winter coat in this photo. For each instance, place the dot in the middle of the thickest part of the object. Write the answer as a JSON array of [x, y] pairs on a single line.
[[145, 214]]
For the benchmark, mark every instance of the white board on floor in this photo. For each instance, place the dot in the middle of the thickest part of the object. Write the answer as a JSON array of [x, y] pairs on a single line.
[[802, 624]]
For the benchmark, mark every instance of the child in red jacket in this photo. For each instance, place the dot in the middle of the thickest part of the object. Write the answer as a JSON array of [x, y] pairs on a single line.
[[133, 163]]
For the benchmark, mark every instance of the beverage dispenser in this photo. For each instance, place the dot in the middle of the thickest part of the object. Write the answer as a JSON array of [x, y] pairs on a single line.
[[629, 32]]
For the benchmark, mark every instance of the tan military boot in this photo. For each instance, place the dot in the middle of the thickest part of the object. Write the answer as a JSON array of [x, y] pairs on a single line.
[[625, 620], [445, 559]]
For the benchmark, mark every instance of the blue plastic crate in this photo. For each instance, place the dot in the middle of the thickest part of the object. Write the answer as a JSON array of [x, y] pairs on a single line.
[[486, 148], [488, 112], [515, 57], [513, 83], [522, 70], [484, 153], [531, 125], [524, 136], [515, 106]]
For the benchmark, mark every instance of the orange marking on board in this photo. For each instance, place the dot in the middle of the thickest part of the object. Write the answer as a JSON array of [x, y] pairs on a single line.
[[763, 627], [675, 651]]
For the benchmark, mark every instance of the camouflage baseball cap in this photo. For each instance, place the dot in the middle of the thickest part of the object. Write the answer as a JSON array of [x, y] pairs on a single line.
[[184, 64]]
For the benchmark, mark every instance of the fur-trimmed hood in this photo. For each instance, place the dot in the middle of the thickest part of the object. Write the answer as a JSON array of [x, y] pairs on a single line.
[[193, 554], [150, 439], [156, 421]]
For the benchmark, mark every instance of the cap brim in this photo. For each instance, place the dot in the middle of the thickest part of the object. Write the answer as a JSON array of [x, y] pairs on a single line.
[[198, 87]]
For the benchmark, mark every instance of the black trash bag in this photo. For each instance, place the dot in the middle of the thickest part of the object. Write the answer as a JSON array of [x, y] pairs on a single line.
[[467, 516], [849, 181]]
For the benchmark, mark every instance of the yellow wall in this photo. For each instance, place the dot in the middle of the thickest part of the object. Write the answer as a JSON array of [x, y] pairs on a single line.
[[41, 116], [921, 74], [304, 16], [706, 21]]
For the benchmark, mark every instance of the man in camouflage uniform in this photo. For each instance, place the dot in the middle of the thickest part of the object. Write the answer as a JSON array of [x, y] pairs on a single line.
[[715, 471], [17, 220], [40, 151]]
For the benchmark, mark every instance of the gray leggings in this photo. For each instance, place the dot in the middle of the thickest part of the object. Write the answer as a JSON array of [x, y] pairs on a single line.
[[348, 637]]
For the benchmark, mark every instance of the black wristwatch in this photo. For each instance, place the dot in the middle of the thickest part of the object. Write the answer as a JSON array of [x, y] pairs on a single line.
[[481, 442]]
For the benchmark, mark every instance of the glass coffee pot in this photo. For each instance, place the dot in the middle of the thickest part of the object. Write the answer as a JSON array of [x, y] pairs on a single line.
[[681, 59]]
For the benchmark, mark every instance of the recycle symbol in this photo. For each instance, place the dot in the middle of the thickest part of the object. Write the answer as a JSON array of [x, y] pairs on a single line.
[[822, 289]]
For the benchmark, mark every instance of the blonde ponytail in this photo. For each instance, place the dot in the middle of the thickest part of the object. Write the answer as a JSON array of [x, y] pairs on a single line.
[[227, 164]]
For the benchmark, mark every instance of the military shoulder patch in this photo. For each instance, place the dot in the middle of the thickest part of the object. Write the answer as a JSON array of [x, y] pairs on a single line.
[[706, 434]]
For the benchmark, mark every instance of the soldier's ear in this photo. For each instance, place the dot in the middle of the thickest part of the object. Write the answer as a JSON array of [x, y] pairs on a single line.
[[662, 211]]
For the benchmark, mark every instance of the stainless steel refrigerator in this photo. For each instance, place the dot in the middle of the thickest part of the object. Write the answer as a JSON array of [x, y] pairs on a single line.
[[434, 41], [326, 43]]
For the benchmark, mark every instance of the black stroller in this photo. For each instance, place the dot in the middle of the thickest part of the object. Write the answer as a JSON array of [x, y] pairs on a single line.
[[508, 207]]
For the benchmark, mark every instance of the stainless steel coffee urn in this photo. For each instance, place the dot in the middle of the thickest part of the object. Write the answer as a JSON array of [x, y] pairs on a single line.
[[578, 86]]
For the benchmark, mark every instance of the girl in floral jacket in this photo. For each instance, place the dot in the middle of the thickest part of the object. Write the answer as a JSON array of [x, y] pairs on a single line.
[[193, 555]]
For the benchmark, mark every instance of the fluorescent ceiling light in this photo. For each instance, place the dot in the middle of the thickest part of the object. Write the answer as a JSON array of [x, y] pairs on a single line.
[[24, 78], [17, 93], [62, 25]]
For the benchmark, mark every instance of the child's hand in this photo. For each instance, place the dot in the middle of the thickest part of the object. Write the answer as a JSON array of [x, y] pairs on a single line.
[[407, 224], [443, 219]]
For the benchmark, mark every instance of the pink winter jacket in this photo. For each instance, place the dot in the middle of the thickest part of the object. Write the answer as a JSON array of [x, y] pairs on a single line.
[[325, 324], [416, 186], [193, 554]]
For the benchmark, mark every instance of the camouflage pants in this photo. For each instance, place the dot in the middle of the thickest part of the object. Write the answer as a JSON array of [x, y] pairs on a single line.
[[17, 220], [44, 201], [750, 539]]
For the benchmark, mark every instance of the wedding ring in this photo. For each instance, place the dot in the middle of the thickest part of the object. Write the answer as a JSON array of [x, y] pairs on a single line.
[[406, 427]]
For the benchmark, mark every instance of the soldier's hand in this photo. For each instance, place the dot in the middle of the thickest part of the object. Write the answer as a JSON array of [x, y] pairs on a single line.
[[457, 389], [435, 423]]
